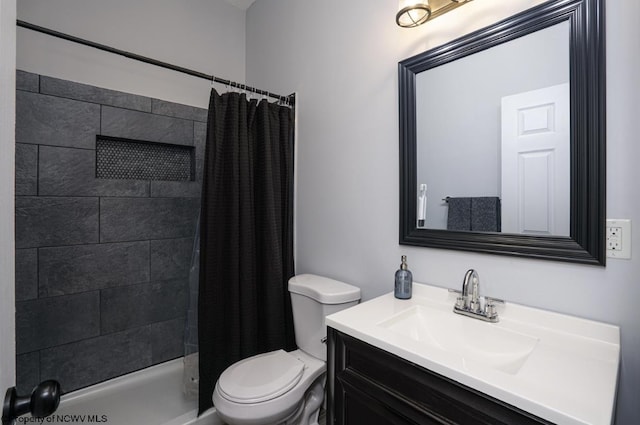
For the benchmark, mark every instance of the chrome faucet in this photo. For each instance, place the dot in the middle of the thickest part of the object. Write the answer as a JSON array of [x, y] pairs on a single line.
[[471, 300], [468, 303]]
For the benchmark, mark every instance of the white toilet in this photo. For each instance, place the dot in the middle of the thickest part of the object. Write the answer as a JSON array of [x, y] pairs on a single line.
[[282, 387]]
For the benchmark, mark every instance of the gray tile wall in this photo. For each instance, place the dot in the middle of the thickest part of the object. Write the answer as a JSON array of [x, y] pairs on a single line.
[[102, 266]]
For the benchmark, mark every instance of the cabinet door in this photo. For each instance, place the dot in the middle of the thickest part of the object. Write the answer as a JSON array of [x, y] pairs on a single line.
[[364, 402], [369, 385], [362, 409]]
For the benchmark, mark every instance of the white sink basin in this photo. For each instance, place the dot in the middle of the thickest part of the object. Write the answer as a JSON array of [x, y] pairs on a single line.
[[471, 339], [558, 367]]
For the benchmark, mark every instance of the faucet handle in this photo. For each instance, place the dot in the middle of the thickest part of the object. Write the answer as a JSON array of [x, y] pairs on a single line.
[[490, 310]]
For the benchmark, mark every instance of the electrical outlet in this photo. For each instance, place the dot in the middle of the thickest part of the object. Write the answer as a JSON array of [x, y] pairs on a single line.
[[619, 239]]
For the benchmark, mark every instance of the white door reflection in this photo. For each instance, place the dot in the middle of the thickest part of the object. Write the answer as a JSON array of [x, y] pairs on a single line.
[[536, 162]]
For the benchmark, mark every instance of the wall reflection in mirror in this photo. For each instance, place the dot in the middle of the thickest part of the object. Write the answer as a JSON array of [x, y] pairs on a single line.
[[493, 139]]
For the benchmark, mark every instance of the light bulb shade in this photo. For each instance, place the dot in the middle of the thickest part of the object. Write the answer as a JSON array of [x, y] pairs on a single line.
[[412, 13]]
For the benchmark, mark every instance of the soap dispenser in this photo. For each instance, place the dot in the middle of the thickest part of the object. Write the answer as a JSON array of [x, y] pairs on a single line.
[[404, 281]]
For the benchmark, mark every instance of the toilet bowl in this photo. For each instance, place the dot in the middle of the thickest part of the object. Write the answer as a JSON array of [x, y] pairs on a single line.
[[282, 387], [267, 388]]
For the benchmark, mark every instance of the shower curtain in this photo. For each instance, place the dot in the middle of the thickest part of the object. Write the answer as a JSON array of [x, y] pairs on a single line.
[[246, 235]]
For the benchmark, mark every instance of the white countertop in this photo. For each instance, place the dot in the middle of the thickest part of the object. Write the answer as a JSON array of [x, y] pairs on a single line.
[[569, 377]]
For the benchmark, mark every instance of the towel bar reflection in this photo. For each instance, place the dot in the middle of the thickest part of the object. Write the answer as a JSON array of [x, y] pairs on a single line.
[[446, 199]]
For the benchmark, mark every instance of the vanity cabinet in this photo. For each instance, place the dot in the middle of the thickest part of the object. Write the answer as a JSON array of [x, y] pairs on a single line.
[[367, 385]]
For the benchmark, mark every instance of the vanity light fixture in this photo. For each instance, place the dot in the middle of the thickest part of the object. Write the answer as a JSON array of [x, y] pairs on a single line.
[[412, 13]]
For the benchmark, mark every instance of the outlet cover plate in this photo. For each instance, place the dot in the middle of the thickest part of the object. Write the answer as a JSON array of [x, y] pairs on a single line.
[[618, 239]]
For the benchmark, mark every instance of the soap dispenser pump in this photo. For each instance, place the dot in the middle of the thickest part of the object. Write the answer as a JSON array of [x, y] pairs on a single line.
[[404, 281]]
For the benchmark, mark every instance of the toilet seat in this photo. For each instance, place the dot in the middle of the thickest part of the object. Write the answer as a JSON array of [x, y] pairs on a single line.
[[260, 378]]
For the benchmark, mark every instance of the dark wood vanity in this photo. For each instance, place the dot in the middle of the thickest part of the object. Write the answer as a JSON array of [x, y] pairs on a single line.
[[367, 385]]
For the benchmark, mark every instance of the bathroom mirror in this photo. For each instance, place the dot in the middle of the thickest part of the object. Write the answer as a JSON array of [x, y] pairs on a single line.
[[506, 126]]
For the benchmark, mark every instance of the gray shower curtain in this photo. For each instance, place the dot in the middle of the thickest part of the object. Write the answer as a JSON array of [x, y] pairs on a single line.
[[246, 235]]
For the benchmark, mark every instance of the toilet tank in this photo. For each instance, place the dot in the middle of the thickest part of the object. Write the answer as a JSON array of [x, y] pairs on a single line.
[[312, 299]]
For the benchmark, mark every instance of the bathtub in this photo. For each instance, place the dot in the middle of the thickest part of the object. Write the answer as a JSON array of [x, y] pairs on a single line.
[[152, 396]]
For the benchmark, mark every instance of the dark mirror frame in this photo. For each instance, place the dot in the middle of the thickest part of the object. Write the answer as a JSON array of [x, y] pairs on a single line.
[[586, 243]]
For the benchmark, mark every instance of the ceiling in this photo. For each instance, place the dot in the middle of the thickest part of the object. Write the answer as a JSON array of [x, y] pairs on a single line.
[[241, 4]]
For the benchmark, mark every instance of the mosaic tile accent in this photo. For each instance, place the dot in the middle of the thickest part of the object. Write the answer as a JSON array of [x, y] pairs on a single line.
[[134, 160]]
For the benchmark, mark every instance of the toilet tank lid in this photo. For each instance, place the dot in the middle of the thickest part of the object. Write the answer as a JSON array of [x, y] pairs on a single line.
[[323, 289]]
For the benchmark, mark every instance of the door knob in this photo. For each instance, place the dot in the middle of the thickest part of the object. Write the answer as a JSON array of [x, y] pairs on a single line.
[[43, 401]]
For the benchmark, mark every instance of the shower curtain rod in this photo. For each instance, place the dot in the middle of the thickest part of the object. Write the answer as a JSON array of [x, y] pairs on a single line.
[[286, 99]]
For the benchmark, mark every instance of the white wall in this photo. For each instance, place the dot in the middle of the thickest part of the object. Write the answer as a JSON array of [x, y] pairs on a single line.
[[203, 35], [341, 57], [7, 212]]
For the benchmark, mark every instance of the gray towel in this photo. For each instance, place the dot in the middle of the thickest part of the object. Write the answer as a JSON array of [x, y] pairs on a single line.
[[485, 214], [459, 214]]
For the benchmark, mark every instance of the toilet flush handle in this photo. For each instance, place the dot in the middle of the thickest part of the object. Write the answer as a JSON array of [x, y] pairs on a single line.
[[323, 340]]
